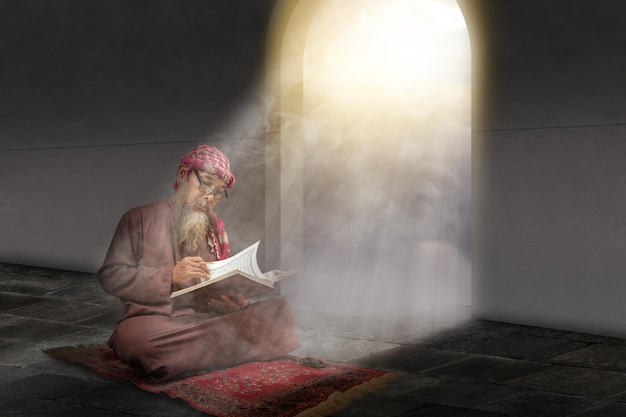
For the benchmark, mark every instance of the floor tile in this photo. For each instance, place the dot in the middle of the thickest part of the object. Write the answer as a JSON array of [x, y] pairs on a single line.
[[372, 407], [526, 347], [460, 394], [409, 358], [11, 373], [594, 338], [461, 339], [33, 270], [118, 397], [610, 410], [107, 320], [89, 412], [48, 386], [488, 369], [576, 381], [335, 348], [391, 331], [542, 404], [621, 397], [83, 336], [8, 320], [444, 411], [33, 330], [164, 406], [10, 302], [30, 284], [86, 290], [60, 311], [403, 385], [26, 406], [510, 328], [60, 367], [610, 358], [18, 353]]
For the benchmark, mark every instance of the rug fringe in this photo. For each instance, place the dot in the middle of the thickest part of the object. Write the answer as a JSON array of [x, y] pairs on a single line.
[[63, 350], [340, 400]]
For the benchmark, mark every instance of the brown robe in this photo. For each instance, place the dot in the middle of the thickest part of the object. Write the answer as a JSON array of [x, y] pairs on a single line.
[[165, 338]]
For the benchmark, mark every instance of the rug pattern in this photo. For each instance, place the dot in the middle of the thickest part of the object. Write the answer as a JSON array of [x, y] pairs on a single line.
[[280, 388]]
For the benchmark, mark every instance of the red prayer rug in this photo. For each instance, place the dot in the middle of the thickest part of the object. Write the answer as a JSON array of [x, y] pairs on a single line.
[[285, 387]]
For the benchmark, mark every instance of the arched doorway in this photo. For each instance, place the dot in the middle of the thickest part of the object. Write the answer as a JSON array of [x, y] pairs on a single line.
[[369, 155]]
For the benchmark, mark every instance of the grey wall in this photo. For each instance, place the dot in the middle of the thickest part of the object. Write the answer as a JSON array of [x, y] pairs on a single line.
[[549, 178], [100, 99]]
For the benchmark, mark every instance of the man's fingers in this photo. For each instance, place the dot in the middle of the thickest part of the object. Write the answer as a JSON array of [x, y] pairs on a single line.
[[193, 261], [195, 268], [228, 300], [228, 304], [241, 302]]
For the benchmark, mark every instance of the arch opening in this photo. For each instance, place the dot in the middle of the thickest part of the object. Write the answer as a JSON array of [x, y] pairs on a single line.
[[372, 141]]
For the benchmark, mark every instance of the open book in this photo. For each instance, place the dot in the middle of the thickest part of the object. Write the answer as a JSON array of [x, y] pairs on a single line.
[[239, 274]]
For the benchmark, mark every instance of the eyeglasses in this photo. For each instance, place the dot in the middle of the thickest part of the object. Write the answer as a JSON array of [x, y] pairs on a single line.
[[206, 189]]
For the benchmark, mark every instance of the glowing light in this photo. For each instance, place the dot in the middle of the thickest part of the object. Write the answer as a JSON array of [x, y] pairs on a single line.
[[379, 99], [399, 58]]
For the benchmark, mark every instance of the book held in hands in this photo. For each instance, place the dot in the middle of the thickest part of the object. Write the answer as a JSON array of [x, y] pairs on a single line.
[[239, 274]]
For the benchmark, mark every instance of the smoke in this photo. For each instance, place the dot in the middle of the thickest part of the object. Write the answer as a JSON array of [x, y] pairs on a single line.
[[367, 167], [385, 223], [381, 140]]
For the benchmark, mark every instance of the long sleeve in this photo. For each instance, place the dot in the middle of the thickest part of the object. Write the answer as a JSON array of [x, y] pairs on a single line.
[[138, 265]]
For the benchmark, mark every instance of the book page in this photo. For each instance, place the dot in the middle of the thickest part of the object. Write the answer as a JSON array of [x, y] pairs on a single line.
[[276, 275], [245, 261]]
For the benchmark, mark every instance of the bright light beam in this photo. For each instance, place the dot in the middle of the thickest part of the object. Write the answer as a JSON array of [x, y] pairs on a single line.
[[388, 59], [384, 133]]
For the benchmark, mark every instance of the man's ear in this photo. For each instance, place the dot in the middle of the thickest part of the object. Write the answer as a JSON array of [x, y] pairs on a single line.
[[180, 175]]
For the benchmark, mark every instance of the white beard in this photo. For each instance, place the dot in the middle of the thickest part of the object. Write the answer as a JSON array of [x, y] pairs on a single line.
[[191, 226]]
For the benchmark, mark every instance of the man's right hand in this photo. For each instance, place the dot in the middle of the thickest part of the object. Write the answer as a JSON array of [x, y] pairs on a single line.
[[188, 268]]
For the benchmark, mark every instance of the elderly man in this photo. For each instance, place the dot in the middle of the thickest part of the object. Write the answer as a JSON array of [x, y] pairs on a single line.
[[159, 248]]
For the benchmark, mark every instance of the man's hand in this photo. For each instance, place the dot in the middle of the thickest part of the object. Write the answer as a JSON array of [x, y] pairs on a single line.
[[188, 268], [227, 305]]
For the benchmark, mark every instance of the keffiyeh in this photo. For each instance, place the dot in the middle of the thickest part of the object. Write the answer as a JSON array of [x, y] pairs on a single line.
[[203, 156]]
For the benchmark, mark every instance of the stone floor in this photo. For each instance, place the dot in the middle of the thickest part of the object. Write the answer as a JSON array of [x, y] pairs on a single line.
[[474, 369]]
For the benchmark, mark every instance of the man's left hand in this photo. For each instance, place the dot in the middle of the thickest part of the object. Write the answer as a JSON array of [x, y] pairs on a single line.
[[226, 304]]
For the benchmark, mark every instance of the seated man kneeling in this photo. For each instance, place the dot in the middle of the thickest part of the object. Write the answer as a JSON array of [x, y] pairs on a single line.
[[161, 247]]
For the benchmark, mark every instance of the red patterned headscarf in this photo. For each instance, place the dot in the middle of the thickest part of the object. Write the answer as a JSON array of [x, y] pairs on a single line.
[[218, 239], [204, 157]]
